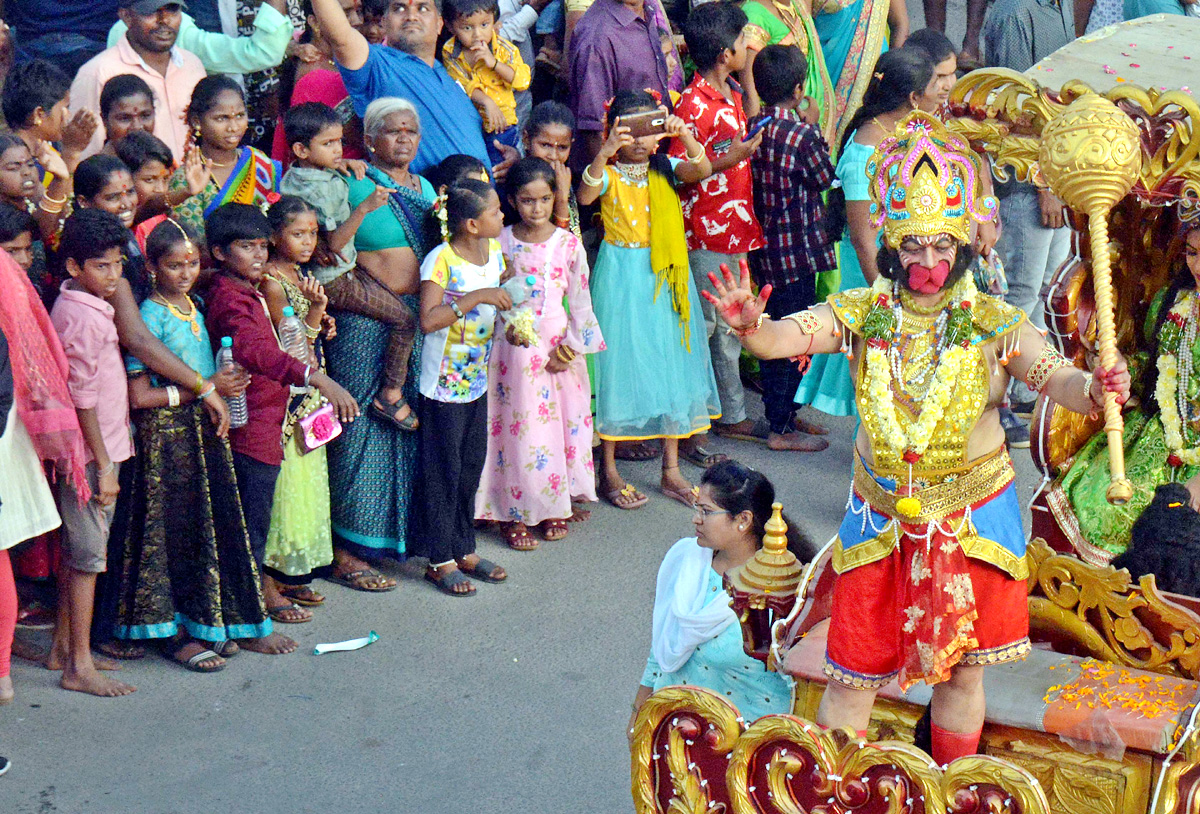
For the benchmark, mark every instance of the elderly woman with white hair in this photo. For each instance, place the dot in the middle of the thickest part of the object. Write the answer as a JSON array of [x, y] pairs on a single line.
[[372, 466]]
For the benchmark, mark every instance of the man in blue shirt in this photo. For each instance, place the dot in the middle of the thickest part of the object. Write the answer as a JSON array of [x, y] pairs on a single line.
[[406, 67]]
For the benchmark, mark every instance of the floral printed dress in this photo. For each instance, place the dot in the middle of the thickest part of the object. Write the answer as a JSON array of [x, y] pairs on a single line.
[[539, 423]]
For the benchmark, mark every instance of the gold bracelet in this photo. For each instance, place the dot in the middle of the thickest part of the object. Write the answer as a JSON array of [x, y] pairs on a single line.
[[59, 201], [198, 387], [590, 180], [57, 208], [695, 159]]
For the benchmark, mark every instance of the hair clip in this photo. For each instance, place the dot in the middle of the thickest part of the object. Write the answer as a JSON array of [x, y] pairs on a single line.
[[878, 75], [1174, 504]]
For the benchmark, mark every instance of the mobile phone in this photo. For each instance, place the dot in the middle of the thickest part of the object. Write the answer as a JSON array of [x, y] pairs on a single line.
[[649, 123], [753, 131]]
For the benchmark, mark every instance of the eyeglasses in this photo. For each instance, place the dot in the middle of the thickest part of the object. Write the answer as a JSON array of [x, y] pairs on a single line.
[[705, 512]]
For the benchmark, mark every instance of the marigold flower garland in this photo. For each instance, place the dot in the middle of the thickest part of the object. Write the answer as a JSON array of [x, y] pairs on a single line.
[[879, 328], [1178, 335]]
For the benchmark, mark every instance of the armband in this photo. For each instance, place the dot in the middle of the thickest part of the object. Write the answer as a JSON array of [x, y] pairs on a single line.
[[808, 321], [1048, 361]]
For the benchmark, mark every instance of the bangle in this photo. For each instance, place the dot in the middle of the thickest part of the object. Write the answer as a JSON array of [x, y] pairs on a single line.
[[108, 470], [564, 354], [695, 159], [198, 387], [207, 391], [457, 311], [562, 223], [51, 210], [590, 180], [172, 396], [753, 329], [311, 332], [308, 371], [1087, 389], [58, 201]]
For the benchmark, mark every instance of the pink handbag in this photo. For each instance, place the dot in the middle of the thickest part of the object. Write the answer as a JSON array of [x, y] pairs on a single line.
[[318, 428]]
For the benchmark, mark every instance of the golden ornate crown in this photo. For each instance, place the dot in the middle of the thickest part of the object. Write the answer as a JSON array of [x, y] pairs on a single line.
[[925, 181]]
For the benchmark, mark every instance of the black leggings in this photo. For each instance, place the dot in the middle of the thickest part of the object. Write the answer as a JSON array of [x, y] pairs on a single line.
[[453, 439]]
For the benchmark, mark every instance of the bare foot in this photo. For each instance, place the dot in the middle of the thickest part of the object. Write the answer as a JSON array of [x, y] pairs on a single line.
[[57, 660], [93, 682], [6, 691], [809, 427], [579, 514], [274, 645], [795, 442], [676, 487], [746, 426]]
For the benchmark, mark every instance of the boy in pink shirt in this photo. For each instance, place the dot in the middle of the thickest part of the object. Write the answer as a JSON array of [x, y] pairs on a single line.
[[92, 246]]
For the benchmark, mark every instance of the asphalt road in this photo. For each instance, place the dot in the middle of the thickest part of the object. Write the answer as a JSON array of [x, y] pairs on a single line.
[[513, 701]]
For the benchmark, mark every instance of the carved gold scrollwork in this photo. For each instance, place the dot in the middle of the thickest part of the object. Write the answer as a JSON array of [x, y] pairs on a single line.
[[1102, 612], [987, 784], [700, 722]]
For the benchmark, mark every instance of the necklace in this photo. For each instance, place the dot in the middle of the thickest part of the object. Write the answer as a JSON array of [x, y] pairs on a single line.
[[912, 306], [634, 172], [176, 312], [210, 162]]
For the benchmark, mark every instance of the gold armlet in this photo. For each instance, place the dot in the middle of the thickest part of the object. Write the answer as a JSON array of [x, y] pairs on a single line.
[[808, 321], [1044, 366]]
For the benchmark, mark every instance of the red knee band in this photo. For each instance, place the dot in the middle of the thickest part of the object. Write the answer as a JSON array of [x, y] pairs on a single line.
[[949, 746]]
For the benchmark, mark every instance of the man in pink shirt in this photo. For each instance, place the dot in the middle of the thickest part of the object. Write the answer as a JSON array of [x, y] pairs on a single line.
[[91, 249], [146, 50]]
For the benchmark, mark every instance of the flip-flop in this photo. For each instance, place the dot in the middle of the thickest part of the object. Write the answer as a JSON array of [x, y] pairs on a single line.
[[685, 496], [388, 412], [483, 570], [193, 663], [125, 651], [224, 648], [446, 582], [276, 613], [302, 595], [357, 580], [628, 490], [760, 425], [636, 451], [701, 457]]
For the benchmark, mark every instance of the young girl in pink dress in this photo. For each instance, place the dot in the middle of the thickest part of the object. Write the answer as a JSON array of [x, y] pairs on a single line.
[[539, 454]]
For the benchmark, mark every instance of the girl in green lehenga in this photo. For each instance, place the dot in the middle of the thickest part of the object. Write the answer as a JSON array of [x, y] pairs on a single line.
[[1099, 530], [300, 542]]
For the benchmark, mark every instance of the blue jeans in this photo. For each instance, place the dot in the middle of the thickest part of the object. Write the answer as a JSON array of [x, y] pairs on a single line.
[[1031, 254]]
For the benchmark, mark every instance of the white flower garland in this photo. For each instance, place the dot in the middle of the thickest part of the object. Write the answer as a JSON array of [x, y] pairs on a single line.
[[912, 443], [1166, 392]]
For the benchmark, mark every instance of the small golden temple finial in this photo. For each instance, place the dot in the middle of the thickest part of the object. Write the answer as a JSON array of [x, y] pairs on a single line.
[[764, 587]]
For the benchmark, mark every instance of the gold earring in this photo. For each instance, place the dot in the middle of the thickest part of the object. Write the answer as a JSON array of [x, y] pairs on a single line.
[[37, 121]]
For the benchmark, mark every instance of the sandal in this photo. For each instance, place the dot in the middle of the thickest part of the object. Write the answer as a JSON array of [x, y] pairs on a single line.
[[685, 496], [302, 595], [195, 662], [125, 651], [633, 499], [361, 581], [553, 530], [224, 648], [277, 614], [636, 451], [446, 582], [388, 414], [701, 457], [483, 569], [517, 536]]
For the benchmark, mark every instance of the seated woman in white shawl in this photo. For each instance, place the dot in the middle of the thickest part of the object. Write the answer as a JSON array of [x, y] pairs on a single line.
[[695, 637]]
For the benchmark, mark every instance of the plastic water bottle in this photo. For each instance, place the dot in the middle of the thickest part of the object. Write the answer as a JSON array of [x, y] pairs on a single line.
[[519, 288], [238, 415], [291, 335]]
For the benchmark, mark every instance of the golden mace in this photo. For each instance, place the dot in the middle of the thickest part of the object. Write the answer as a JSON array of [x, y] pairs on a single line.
[[1090, 155]]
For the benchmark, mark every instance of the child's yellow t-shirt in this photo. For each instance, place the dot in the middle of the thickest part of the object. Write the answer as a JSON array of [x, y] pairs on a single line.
[[480, 77]]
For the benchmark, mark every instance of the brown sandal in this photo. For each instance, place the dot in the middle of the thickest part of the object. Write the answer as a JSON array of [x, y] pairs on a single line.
[[552, 530], [517, 536]]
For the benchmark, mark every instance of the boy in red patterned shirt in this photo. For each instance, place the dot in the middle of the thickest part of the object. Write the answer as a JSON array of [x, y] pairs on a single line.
[[719, 211]]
